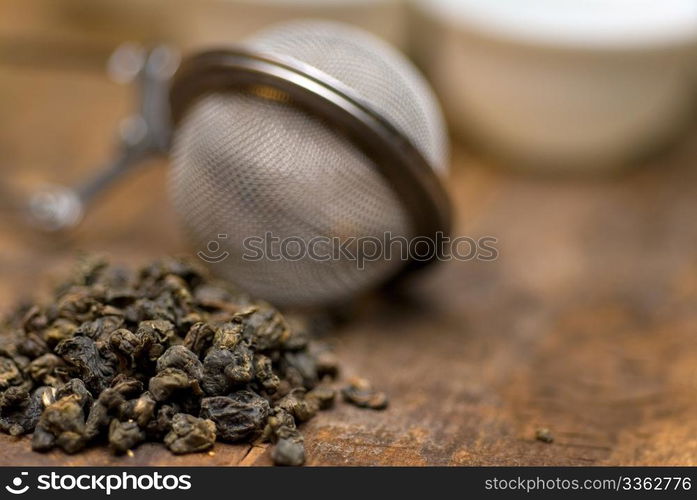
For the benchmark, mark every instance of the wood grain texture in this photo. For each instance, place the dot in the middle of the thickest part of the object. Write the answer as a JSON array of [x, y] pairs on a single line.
[[586, 324]]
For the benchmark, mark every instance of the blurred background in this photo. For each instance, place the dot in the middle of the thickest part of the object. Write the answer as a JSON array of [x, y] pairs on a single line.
[[571, 84], [580, 91], [573, 142]]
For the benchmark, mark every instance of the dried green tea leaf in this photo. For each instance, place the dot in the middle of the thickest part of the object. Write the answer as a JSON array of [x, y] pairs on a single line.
[[162, 354], [240, 416], [190, 434], [360, 392], [124, 436]]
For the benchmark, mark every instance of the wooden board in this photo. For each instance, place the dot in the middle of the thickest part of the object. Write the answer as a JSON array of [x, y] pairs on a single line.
[[586, 324]]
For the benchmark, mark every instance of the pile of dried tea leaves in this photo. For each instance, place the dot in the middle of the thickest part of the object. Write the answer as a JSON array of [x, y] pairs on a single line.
[[164, 354]]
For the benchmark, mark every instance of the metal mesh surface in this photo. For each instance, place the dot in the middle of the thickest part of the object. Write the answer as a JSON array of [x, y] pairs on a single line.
[[245, 166]]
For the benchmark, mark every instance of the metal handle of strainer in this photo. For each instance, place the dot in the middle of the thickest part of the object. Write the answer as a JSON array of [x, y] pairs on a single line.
[[144, 134]]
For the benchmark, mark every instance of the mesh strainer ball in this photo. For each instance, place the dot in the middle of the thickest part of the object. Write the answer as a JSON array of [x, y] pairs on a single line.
[[308, 136]]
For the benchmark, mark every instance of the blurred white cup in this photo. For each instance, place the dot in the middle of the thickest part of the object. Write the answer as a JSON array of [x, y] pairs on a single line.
[[561, 84]]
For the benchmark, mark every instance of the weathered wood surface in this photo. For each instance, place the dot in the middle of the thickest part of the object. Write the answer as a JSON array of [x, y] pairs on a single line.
[[586, 324]]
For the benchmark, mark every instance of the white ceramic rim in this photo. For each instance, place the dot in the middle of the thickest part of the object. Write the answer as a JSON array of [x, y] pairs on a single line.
[[575, 24]]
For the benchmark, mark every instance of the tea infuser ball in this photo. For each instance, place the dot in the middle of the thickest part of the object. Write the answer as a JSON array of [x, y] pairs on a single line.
[[307, 136]]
